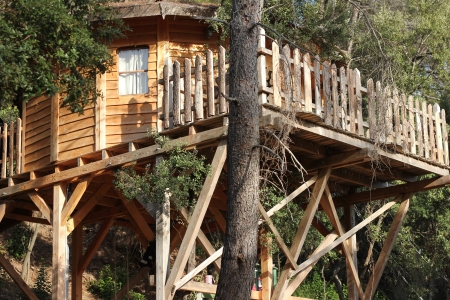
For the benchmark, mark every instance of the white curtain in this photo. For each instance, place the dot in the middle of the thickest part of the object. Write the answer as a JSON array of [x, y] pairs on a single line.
[[133, 83]]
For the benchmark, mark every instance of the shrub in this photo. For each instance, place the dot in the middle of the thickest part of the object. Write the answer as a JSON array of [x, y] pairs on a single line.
[[18, 243]]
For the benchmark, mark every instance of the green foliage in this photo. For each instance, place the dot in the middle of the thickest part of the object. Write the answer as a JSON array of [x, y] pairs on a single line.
[[110, 282], [9, 114], [315, 288], [180, 175], [18, 243], [55, 46], [42, 287]]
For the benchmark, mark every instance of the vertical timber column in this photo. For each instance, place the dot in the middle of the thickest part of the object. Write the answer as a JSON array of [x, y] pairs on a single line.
[[54, 128], [77, 245], [349, 219], [266, 268], [59, 243], [162, 244], [100, 114], [162, 51]]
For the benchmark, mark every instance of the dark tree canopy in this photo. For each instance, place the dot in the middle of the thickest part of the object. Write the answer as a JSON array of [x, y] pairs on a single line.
[[54, 46]]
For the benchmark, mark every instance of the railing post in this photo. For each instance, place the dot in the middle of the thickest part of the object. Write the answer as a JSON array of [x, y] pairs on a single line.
[[307, 82], [198, 88], [222, 81], [210, 83], [276, 74], [445, 136], [176, 94], [19, 146], [437, 119], [187, 91], [5, 149], [262, 81]]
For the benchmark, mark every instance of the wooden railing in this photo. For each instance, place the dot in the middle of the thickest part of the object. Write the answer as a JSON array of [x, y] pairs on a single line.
[[314, 90], [11, 147]]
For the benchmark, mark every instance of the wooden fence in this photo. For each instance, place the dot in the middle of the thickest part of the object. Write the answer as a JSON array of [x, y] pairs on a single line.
[[11, 147], [314, 90]]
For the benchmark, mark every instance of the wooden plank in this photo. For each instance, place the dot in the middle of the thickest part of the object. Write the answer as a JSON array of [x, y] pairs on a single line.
[[198, 99], [86, 208], [70, 206], [432, 133], [266, 269], [166, 97], [351, 100], [197, 216], [278, 237], [357, 78], [302, 230], [11, 150], [297, 81], [387, 248], [342, 238], [372, 109], [343, 93], [418, 129], [93, 246], [187, 91], [261, 65], [276, 84], [137, 217], [176, 94], [222, 82], [438, 128], [59, 264], [425, 130], [287, 77], [5, 149], [445, 136], [54, 128], [292, 196], [388, 116], [2, 211], [334, 97], [398, 126], [307, 82], [328, 102], [24, 127], [16, 278], [18, 146], [317, 89], [114, 161], [411, 125], [143, 272], [330, 210], [210, 83], [41, 205], [77, 252], [339, 160], [162, 47], [100, 114]]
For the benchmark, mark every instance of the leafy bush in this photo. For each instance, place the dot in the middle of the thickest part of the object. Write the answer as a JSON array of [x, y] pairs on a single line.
[[18, 243], [42, 288]]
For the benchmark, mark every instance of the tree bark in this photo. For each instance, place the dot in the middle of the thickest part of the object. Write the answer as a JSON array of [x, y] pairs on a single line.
[[240, 247], [26, 262]]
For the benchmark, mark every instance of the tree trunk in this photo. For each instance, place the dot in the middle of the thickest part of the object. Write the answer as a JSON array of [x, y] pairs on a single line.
[[26, 262], [240, 247]]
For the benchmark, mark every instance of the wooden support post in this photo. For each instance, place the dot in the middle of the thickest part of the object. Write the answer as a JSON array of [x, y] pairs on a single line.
[[262, 81], [222, 82], [187, 91], [77, 278], [387, 247], [59, 244], [162, 47], [93, 246], [307, 82], [303, 229], [266, 269], [349, 220], [4, 149], [276, 85], [54, 128], [100, 114], [162, 243], [131, 283], [197, 217], [210, 83], [16, 277], [198, 98]]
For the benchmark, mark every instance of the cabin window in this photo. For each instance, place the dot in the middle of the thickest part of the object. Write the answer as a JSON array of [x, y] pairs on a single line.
[[133, 73]]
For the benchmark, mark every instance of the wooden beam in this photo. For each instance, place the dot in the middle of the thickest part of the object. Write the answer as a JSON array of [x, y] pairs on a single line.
[[77, 252], [387, 247], [298, 279], [392, 191], [2, 211], [27, 218], [75, 198], [344, 237], [303, 229], [59, 264], [131, 283], [16, 278], [137, 217], [41, 205], [86, 208], [105, 213], [115, 161], [339, 160], [197, 216], [349, 222], [54, 128], [162, 47], [266, 269], [292, 196], [93, 246], [330, 210], [219, 218], [100, 113], [278, 237]]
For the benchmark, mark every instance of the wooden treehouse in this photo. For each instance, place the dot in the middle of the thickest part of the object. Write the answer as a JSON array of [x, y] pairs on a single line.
[[170, 76]]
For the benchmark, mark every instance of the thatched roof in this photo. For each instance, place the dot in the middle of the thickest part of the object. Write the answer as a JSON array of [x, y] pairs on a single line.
[[134, 9]]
